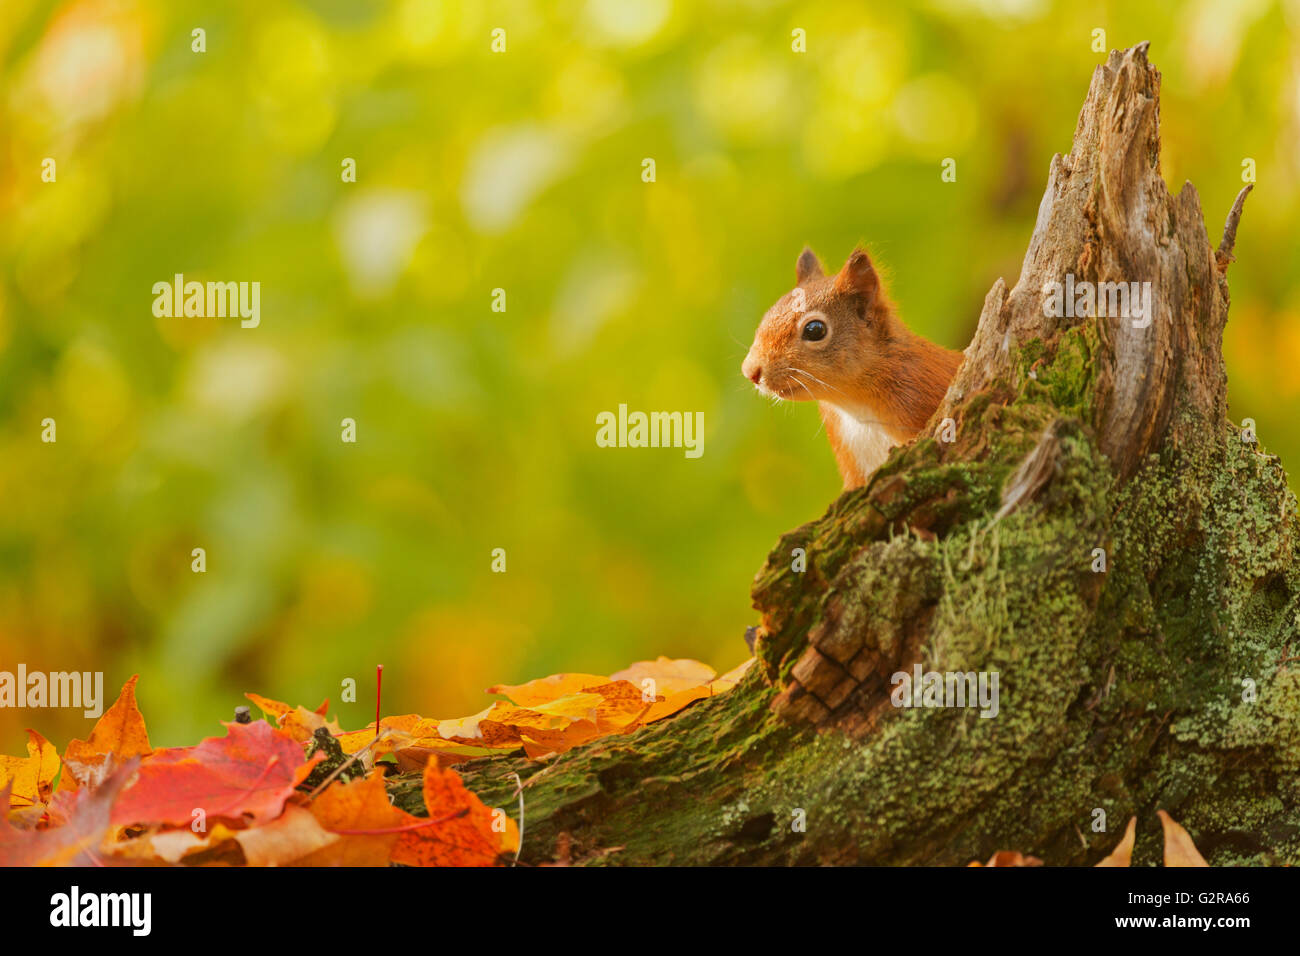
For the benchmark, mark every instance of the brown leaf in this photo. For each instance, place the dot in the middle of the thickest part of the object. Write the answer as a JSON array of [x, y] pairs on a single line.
[[1179, 848], [296, 834], [158, 846], [1122, 855]]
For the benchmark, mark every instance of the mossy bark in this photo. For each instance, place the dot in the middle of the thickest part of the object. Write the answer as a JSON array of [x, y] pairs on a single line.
[[1159, 682]]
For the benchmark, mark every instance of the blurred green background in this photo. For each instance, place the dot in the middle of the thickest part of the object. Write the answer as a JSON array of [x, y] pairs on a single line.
[[518, 170]]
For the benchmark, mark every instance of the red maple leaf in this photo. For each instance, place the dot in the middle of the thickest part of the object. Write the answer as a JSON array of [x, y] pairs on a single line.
[[251, 771]]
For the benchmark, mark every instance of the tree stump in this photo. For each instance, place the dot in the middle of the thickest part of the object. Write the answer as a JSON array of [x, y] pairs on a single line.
[[1097, 533]]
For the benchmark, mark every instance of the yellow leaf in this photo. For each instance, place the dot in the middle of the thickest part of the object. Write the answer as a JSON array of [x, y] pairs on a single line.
[[669, 676], [396, 727], [301, 723], [467, 728], [545, 689], [32, 777], [732, 677]]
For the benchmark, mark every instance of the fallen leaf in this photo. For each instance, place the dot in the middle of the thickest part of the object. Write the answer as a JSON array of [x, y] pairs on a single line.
[[81, 817], [360, 813], [30, 779], [274, 709], [1179, 848], [670, 676], [394, 729], [471, 729], [1122, 855], [458, 830], [558, 724], [674, 703], [1009, 858], [545, 689], [730, 679], [415, 740], [117, 736], [553, 714], [296, 834], [298, 722], [167, 846], [252, 770]]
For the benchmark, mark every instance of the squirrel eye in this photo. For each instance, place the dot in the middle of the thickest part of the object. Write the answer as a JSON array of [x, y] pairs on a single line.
[[814, 331]]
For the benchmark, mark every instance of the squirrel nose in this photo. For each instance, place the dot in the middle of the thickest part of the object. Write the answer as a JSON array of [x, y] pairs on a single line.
[[752, 370], [756, 375]]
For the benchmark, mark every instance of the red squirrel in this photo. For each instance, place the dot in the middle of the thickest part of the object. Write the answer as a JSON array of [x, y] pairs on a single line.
[[837, 341]]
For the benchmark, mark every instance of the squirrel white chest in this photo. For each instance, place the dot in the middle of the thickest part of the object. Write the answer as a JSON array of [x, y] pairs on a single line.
[[866, 441]]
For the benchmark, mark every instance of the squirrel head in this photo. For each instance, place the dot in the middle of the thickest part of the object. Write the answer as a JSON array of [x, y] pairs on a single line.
[[821, 339]]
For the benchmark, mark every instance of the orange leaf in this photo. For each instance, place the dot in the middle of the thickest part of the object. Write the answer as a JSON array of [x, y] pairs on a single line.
[[669, 676], [1179, 848], [415, 740], [400, 726], [357, 805], [1122, 855], [545, 689], [252, 770], [557, 725], [459, 829], [674, 703], [1009, 858], [31, 778], [301, 723], [298, 722], [119, 734], [274, 709], [479, 730]]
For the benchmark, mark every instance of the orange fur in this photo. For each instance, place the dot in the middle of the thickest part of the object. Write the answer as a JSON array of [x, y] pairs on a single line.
[[877, 383]]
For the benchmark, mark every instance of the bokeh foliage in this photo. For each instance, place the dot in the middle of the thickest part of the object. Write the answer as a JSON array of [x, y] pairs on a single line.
[[519, 171]]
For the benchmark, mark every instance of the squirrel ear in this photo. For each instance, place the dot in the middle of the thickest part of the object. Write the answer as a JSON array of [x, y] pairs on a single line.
[[807, 267], [858, 275]]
